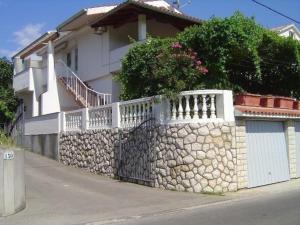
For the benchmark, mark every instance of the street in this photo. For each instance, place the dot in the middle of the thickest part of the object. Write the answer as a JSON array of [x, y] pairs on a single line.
[[59, 195], [276, 209]]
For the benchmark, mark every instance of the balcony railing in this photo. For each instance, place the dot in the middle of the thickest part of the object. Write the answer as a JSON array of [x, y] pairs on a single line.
[[189, 107]]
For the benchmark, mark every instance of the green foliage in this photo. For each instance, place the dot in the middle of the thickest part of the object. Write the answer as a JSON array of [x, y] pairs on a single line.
[[160, 66], [8, 101], [5, 141], [239, 54], [223, 44]]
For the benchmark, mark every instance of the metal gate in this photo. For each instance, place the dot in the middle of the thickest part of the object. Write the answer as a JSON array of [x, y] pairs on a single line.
[[297, 130], [266, 152], [137, 153]]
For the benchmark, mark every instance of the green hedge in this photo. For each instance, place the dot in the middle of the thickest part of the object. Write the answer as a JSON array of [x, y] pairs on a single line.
[[238, 53]]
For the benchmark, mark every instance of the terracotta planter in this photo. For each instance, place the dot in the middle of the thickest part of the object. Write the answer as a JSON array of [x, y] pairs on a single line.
[[247, 99], [297, 105], [267, 101], [284, 103]]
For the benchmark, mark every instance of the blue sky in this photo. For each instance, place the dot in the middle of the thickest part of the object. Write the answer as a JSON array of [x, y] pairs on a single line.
[[21, 21]]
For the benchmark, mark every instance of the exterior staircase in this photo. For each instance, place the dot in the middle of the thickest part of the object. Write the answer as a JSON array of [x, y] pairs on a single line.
[[83, 95]]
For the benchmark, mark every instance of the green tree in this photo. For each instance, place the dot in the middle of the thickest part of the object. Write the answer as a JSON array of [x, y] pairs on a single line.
[[239, 53], [8, 102], [160, 66]]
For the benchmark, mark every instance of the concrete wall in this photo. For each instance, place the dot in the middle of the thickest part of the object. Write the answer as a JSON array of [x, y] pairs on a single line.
[[12, 184], [46, 124], [43, 144]]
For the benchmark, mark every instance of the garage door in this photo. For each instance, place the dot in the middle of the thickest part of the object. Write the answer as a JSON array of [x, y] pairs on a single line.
[[297, 129], [266, 153]]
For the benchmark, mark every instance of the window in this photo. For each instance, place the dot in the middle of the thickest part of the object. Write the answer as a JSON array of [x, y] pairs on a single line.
[[69, 59], [291, 34], [76, 59]]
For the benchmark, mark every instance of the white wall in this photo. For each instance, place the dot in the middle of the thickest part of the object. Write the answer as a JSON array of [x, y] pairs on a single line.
[[46, 124], [287, 34], [158, 29]]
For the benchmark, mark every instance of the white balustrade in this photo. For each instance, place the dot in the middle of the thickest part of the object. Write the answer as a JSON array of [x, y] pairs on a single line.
[[74, 120], [191, 106], [100, 117], [188, 107], [136, 111]]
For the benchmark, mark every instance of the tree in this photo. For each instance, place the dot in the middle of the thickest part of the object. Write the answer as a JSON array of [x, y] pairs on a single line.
[[8, 101], [160, 66], [240, 55]]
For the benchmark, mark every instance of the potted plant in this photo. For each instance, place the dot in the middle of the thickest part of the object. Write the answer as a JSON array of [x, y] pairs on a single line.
[[284, 102], [267, 101], [247, 99]]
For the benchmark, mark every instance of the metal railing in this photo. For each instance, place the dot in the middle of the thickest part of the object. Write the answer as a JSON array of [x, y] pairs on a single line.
[[87, 96]]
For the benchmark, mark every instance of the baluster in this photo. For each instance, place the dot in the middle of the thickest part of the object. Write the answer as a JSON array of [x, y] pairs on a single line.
[[139, 114], [105, 116], [212, 107], [173, 110], [134, 114], [91, 119], [168, 108], [129, 116], [144, 111], [180, 109], [122, 110], [204, 107], [196, 109], [187, 108]]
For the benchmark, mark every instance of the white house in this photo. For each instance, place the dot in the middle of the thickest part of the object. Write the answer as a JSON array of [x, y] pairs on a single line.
[[80, 57], [289, 30]]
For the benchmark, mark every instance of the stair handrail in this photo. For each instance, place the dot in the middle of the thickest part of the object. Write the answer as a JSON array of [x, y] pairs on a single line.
[[81, 82]]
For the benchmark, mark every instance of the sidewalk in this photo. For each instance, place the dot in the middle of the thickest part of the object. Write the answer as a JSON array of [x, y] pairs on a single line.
[[62, 195]]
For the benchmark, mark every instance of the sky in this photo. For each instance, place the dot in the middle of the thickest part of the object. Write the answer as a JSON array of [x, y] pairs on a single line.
[[22, 21]]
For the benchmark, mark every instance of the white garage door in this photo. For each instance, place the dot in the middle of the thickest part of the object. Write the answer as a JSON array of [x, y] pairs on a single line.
[[297, 129], [266, 152]]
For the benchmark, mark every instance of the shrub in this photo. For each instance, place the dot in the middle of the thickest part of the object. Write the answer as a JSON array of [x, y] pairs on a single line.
[[239, 54], [5, 141], [160, 67]]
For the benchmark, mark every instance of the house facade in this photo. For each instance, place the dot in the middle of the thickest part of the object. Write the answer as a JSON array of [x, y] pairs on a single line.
[[79, 59], [289, 30], [199, 142]]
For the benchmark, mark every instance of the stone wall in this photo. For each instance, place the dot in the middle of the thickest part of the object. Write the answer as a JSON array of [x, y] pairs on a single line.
[[291, 145], [242, 166], [197, 157], [93, 150], [188, 157]]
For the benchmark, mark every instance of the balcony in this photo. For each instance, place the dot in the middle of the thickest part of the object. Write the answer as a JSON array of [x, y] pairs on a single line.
[[24, 79], [115, 57]]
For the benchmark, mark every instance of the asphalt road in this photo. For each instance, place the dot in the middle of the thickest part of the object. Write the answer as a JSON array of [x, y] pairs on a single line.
[[272, 209], [59, 195]]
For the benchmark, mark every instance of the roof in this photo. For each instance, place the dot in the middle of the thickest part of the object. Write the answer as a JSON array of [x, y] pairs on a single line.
[[37, 44], [262, 112], [109, 14], [131, 8], [285, 28], [84, 17]]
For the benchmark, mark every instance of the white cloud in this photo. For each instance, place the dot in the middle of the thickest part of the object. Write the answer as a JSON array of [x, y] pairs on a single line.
[[7, 53], [23, 37], [27, 34]]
